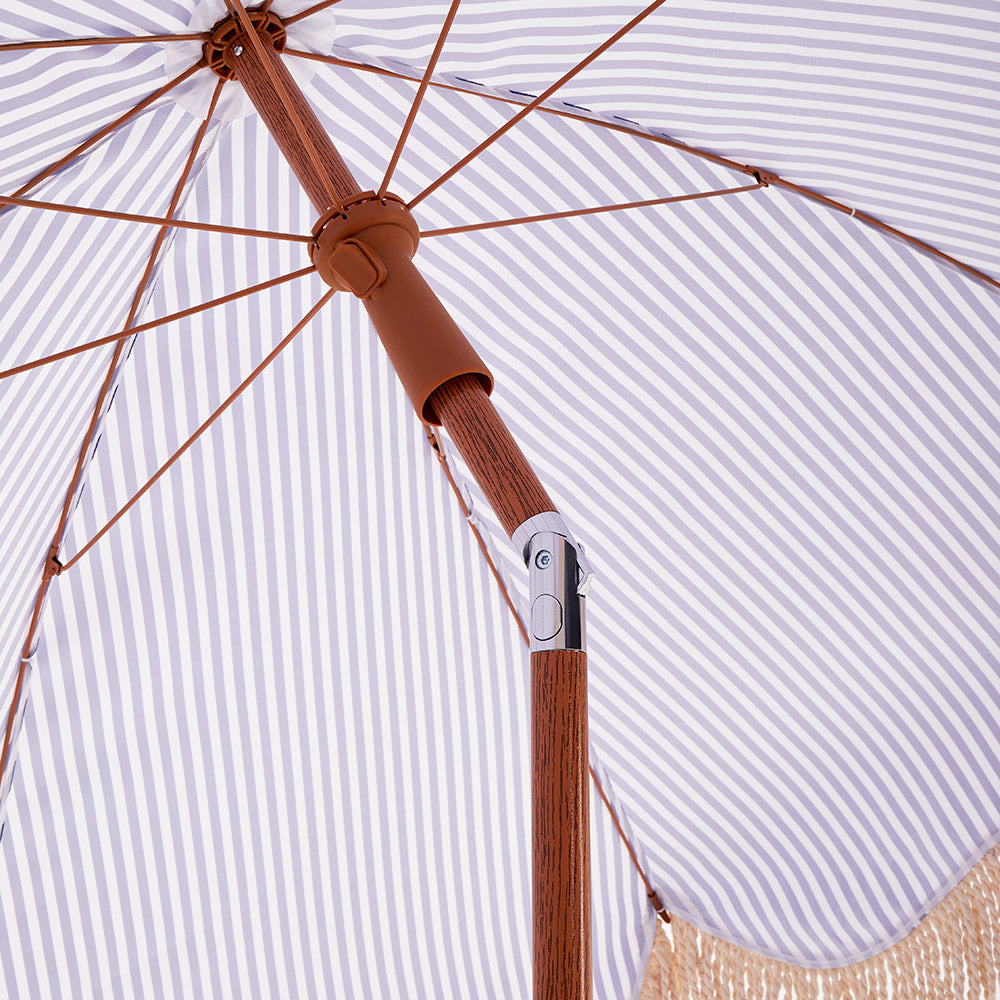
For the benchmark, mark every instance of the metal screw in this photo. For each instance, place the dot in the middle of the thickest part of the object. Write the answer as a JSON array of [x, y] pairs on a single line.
[[543, 559], [238, 51]]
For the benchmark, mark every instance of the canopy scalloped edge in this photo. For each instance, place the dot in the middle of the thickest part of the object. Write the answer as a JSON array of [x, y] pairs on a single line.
[[953, 951]]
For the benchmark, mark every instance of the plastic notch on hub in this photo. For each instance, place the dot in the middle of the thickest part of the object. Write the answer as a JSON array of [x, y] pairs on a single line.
[[357, 267]]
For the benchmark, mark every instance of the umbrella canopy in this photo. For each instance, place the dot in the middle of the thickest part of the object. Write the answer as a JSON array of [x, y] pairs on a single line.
[[272, 738]]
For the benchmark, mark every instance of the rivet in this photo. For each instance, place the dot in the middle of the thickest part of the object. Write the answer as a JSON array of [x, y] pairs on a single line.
[[238, 51]]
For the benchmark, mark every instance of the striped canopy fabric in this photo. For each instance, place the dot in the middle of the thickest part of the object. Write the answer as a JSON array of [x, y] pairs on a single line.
[[272, 739]]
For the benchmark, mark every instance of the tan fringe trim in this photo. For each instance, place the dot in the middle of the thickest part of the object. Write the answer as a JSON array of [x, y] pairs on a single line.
[[952, 954]]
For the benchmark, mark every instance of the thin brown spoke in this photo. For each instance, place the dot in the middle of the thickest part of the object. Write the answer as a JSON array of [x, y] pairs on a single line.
[[421, 90], [544, 96], [702, 154], [574, 213], [51, 565], [107, 130], [153, 220], [486, 95], [147, 273], [239, 11], [885, 227], [237, 392], [435, 443], [315, 9], [61, 43], [438, 447], [651, 894], [153, 323], [334, 61]]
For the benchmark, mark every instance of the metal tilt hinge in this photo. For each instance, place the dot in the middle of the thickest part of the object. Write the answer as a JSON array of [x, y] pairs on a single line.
[[559, 577], [364, 243]]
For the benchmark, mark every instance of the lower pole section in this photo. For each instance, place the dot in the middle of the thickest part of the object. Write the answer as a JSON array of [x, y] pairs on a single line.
[[560, 807], [560, 817]]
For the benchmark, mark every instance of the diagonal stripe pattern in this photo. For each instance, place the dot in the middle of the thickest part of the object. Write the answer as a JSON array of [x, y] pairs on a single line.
[[276, 737]]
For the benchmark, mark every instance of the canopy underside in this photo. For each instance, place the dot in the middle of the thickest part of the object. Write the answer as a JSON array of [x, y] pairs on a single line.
[[276, 741]]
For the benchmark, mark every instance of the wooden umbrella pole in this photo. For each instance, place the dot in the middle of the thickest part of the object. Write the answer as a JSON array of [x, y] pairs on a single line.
[[364, 244], [292, 122], [560, 808]]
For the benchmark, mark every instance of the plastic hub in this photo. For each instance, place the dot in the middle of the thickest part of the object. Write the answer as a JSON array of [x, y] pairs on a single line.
[[348, 238], [226, 35]]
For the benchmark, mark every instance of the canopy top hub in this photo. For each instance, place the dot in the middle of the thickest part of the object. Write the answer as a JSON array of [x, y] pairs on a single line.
[[228, 35]]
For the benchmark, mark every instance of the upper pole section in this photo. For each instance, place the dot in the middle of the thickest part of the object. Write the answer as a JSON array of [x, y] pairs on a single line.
[[248, 52], [362, 243]]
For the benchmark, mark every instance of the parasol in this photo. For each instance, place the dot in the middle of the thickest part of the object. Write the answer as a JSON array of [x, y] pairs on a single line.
[[730, 274]]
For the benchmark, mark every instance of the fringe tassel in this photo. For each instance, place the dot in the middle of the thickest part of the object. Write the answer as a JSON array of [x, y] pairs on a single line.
[[952, 954]]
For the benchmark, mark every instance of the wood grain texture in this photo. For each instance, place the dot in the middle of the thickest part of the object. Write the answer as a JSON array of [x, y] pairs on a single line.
[[560, 801], [560, 812], [492, 455], [258, 79]]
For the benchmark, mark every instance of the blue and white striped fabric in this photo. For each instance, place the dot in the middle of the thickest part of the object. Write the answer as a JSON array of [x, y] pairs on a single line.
[[276, 739]]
